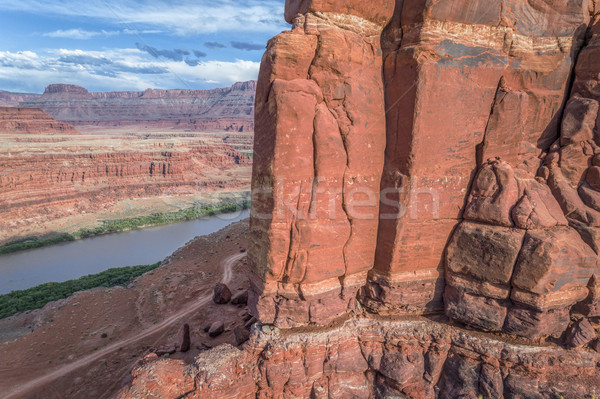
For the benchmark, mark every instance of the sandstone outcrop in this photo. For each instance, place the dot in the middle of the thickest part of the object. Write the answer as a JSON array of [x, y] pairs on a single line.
[[20, 120], [483, 211], [319, 140], [229, 109], [378, 359]]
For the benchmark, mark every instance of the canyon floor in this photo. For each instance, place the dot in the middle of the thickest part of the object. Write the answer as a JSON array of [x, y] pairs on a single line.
[[60, 183], [86, 346]]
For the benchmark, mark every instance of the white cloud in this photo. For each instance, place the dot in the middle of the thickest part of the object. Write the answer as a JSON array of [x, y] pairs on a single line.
[[116, 69], [79, 34], [186, 17]]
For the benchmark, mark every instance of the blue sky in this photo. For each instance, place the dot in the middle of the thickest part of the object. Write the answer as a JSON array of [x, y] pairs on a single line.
[[107, 45]]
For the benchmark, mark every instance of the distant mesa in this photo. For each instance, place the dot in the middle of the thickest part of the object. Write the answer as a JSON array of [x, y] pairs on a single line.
[[227, 109], [8, 98], [64, 88]]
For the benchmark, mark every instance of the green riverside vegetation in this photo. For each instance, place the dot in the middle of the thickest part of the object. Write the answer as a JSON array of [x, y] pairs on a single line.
[[119, 225], [37, 297]]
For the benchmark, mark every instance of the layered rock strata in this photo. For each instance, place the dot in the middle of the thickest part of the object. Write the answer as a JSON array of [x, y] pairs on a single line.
[[463, 84], [48, 175], [229, 109], [21, 120]]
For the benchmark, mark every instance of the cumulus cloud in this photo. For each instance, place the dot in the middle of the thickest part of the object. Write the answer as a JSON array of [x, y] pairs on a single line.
[[187, 17], [116, 69], [214, 45], [199, 54], [247, 46]]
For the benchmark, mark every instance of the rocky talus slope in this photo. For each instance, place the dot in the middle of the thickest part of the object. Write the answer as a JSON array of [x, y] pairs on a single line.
[[228, 108], [426, 210]]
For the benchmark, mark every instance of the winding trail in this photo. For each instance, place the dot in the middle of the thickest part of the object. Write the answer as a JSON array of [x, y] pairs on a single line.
[[227, 264]]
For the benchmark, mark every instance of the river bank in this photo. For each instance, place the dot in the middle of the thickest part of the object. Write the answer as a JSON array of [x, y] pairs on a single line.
[[71, 260]]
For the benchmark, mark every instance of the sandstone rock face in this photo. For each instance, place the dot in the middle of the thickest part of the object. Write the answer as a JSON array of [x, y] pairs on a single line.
[[556, 268], [221, 294], [510, 154], [228, 109], [489, 205], [582, 333], [22, 120], [385, 359], [318, 157], [464, 84]]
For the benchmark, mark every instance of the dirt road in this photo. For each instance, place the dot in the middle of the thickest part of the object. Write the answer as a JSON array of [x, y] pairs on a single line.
[[18, 391]]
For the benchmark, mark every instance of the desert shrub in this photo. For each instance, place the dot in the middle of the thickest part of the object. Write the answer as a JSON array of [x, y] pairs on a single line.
[[119, 225], [38, 296]]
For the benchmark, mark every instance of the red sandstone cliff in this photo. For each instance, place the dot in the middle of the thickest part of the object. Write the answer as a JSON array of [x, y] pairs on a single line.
[[476, 203], [19, 120], [48, 171], [228, 109]]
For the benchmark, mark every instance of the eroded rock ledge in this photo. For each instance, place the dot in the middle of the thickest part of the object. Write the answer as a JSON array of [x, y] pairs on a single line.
[[366, 358]]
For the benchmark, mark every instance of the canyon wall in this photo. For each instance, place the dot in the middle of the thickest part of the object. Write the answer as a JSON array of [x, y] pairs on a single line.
[[462, 260], [228, 108], [20, 120], [10, 99], [48, 171]]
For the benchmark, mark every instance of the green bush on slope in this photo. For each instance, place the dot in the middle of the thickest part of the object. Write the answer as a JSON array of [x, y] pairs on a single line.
[[37, 297]]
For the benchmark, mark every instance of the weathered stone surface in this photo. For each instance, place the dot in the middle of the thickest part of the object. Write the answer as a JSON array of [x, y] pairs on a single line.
[[185, 341], [240, 298], [480, 213], [494, 193], [485, 253], [21, 120], [166, 378], [553, 261], [368, 358], [216, 329], [537, 208], [581, 333], [241, 335], [318, 158], [221, 294], [590, 306], [463, 85]]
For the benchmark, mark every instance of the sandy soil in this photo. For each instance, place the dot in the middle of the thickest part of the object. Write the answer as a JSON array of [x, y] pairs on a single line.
[[85, 346]]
